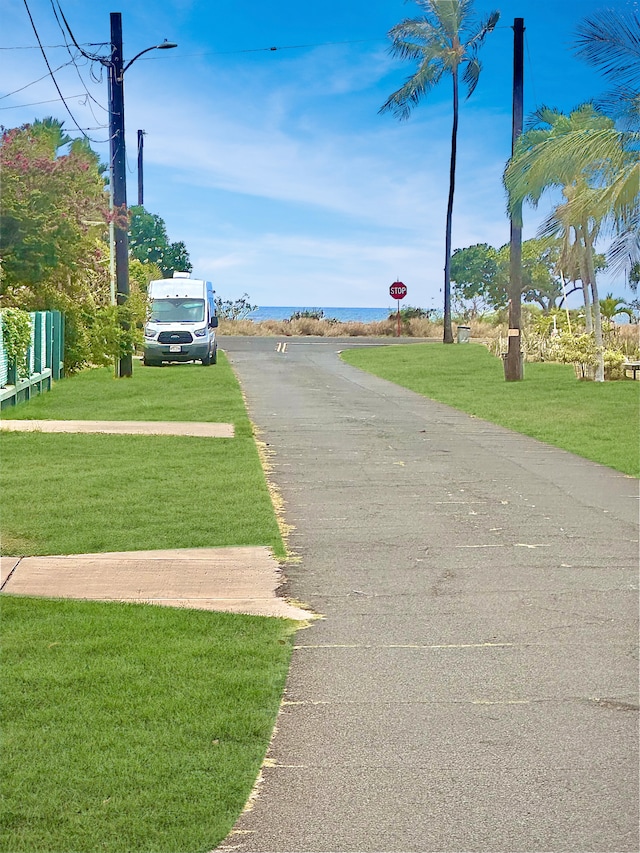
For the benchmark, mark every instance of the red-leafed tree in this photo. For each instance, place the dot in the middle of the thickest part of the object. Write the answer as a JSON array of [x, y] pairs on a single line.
[[54, 224], [55, 213]]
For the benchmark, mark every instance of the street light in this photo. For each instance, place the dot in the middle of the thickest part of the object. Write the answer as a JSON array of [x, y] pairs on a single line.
[[116, 70]]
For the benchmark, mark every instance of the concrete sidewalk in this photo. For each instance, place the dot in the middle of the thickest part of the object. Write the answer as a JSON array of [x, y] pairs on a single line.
[[474, 683], [198, 430], [235, 580]]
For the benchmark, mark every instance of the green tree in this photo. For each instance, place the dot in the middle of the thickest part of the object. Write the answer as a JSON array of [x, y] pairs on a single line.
[[141, 274], [176, 258], [541, 282], [442, 41], [149, 243], [474, 273], [481, 275]]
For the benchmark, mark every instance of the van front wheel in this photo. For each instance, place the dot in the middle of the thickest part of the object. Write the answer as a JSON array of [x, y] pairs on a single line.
[[206, 361]]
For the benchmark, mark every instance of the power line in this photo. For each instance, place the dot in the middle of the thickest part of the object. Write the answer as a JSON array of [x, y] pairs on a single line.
[[38, 103], [73, 38], [284, 47], [33, 47], [73, 58], [95, 57], [55, 82], [33, 82], [206, 53]]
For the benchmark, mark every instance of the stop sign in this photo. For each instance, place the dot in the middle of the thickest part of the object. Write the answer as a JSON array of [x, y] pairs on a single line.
[[398, 290]]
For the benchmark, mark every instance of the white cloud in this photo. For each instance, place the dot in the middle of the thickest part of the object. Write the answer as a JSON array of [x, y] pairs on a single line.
[[285, 183]]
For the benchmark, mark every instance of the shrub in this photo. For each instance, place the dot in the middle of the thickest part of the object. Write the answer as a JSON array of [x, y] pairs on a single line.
[[234, 310], [16, 336], [311, 314], [613, 360], [408, 312]]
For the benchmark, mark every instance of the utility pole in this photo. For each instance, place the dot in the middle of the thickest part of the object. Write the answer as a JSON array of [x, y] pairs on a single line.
[[119, 175], [140, 168], [513, 362]]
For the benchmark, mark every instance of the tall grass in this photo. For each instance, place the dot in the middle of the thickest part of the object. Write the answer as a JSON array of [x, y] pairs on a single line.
[[414, 328]]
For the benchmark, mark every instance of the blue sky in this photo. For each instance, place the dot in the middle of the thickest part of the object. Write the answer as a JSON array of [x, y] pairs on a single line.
[[274, 167]]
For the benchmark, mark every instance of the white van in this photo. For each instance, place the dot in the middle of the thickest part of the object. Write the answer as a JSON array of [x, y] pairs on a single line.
[[182, 321]]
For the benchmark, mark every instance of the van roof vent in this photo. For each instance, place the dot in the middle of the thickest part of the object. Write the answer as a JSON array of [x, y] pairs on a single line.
[[181, 274]]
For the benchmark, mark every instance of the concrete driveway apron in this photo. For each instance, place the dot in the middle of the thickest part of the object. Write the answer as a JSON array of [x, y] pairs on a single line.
[[473, 683]]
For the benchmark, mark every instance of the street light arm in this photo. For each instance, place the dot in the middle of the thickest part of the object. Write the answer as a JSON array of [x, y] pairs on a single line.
[[164, 46]]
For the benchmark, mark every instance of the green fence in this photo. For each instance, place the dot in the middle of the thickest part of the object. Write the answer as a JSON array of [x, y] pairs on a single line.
[[44, 363]]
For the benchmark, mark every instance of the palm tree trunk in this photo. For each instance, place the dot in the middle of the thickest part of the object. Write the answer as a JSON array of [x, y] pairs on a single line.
[[588, 318], [597, 316], [585, 279], [448, 331]]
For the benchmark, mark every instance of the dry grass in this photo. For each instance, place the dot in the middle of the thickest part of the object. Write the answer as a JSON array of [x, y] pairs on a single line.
[[626, 338], [493, 335], [415, 328]]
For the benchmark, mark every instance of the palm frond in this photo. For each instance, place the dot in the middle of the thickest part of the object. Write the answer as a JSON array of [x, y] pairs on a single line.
[[623, 105], [419, 32], [621, 199], [542, 118], [590, 157], [450, 14], [610, 41], [486, 26], [471, 74], [402, 101], [624, 252]]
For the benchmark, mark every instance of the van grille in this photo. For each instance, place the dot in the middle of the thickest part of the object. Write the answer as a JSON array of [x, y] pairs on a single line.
[[175, 338]]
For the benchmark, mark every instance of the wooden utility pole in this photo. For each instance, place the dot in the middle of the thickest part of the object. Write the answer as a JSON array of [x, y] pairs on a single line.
[[119, 175], [140, 167], [513, 361]]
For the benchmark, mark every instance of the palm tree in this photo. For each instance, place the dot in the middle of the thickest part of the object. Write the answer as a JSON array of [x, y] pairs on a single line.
[[611, 307], [50, 131], [445, 38], [585, 155]]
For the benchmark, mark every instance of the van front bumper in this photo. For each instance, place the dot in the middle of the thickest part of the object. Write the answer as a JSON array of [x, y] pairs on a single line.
[[153, 351]]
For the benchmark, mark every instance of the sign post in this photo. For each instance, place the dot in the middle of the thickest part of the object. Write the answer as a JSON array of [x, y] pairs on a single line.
[[398, 291]]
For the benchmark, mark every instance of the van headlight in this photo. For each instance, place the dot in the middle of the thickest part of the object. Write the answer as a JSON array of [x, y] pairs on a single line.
[[149, 332], [200, 333]]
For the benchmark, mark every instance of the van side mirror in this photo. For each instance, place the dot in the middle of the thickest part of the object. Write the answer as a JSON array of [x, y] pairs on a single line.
[[214, 322]]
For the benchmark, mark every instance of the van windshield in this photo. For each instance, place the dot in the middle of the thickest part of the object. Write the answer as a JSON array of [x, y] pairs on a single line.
[[177, 310]]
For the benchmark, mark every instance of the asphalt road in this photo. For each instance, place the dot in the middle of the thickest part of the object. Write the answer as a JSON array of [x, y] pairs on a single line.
[[473, 685]]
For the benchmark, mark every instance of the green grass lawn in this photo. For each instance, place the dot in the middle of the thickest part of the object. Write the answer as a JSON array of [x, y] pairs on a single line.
[[78, 493], [132, 727], [176, 392], [599, 421]]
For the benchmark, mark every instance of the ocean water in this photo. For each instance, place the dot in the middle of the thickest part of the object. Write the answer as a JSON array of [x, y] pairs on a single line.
[[344, 315]]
